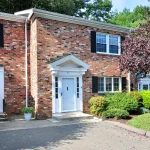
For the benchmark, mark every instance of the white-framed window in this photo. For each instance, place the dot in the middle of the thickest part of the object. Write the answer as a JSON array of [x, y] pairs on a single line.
[[108, 44], [109, 84]]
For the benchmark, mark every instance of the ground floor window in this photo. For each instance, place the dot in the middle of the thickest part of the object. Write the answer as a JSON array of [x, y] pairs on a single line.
[[108, 84]]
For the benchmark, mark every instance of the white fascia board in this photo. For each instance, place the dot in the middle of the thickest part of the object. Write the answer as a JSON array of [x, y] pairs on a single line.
[[74, 20], [11, 17]]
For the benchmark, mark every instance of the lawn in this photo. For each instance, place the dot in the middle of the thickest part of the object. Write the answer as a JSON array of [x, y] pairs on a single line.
[[141, 122]]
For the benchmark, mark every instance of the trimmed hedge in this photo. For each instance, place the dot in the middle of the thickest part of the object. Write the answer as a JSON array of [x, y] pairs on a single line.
[[97, 105], [118, 113]]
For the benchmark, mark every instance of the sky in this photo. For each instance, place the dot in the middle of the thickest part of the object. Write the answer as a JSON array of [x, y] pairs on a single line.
[[130, 4]]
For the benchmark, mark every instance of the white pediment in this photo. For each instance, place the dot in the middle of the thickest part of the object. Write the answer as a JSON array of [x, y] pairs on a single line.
[[68, 63]]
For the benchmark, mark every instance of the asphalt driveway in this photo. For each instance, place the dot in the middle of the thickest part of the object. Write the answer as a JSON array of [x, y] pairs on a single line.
[[73, 136]]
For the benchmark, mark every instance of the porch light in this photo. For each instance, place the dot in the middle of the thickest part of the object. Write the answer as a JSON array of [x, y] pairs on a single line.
[[46, 78], [10, 76]]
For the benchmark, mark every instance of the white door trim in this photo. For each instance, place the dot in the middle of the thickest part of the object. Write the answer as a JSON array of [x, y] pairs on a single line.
[[58, 102], [2, 89]]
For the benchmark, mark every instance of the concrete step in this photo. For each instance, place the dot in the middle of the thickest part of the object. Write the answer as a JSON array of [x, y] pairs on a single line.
[[72, 116], [3, 117]]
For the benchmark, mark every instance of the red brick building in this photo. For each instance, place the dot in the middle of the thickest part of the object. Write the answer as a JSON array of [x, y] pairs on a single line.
[[69, 60]]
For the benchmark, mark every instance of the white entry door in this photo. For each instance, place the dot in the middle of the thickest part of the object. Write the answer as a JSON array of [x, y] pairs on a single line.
[[68, 103], [1, 88]]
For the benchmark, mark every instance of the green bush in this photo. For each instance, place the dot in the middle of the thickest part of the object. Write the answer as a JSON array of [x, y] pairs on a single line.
[[118, 113], [97, 105], [27, 110], [146, 98], [121, 101], [136, 95]]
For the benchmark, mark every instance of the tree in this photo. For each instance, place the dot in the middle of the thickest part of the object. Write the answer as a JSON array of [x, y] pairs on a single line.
[[136, 51], [131, 19], [99, 10], [69, 7]]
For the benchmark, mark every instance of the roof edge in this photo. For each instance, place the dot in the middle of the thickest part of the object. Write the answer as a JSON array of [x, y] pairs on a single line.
[[11, 17], [75, 20]]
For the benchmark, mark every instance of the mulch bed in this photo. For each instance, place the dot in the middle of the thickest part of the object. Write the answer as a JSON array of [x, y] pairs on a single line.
[[124, 121]]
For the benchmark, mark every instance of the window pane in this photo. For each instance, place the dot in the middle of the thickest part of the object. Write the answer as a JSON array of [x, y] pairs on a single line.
[[101, 84], [100, 47], [77, 95], [113, 40], [113, 49], [56, 79], [100, 38], [116, 84], [56, 84], [56, 95], [145, 86], [108, 84]]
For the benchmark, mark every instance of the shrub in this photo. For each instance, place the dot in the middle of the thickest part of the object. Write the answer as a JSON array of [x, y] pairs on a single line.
[[27, 110], [146, 98], [121, 101], [97, 105], [136, 95], [118, 113]]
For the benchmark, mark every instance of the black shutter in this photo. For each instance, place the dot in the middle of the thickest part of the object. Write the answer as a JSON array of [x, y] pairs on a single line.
[[94, 84], [124, 83], [1, 36], [93, 41]]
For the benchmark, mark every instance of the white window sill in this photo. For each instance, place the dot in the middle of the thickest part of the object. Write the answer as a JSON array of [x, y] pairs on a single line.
[[108, 53], [108, 92]]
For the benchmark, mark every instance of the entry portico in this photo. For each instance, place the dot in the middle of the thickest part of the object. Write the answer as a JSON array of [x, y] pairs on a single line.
[[67, 72]]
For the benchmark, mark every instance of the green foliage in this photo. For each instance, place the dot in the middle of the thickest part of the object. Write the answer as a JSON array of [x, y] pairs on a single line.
[[99, 10], [141, 122], [27, 110], [136, 95], [146, 98], [131, 19], [121, 101], [97, 105], [118, 113]]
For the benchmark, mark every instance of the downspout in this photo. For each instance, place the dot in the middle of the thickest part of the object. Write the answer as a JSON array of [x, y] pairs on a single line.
[[26, 62]]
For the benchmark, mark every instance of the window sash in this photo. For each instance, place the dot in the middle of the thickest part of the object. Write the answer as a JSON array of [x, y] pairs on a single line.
[[111, 45], [109, 84]]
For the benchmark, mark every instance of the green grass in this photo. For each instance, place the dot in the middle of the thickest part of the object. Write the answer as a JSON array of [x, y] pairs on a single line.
[[141, 122]]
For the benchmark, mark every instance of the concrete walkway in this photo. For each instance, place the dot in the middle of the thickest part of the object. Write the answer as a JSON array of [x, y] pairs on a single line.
[[22, 124]]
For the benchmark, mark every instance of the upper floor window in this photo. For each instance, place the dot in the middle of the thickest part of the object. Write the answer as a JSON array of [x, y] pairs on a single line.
[[107, 44]]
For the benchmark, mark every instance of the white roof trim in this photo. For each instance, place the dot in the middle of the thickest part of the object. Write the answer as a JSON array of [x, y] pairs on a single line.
[[74, 20], [11, 17], [67, 58]]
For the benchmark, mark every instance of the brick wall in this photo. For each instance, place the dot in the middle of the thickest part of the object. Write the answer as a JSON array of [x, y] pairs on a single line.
[[55, 38], [12, 58]]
